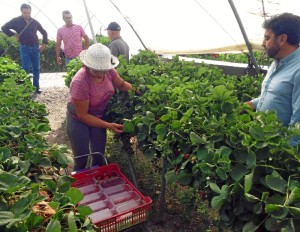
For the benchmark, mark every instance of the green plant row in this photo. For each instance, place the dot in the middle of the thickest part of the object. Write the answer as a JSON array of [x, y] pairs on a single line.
[[34, 196], [190, 115], [9, 47], [260, 57]]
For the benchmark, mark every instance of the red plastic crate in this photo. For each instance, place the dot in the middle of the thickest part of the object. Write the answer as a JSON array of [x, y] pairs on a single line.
[[102, 177]]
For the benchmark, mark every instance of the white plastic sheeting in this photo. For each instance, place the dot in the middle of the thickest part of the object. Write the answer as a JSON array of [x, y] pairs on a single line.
[[165, 26]]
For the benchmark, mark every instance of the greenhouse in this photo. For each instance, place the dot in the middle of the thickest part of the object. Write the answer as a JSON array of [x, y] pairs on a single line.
[[185, 135]]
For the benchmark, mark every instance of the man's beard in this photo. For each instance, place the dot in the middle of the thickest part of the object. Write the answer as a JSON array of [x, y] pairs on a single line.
[[272, 52]]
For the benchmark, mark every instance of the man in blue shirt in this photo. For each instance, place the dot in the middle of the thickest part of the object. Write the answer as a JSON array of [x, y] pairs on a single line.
[[280, 90]]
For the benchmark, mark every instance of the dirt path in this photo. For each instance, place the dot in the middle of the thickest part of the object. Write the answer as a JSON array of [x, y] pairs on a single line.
[[55, 96]]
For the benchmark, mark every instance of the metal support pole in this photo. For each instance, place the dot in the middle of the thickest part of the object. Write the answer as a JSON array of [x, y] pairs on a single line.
[[130, 25], [244, 35], [90, 23]]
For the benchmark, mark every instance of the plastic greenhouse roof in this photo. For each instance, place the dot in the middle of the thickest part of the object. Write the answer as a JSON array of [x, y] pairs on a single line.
[[164, 26]]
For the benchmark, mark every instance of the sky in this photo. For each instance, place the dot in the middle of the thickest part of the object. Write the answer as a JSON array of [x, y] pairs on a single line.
[[163, 25]]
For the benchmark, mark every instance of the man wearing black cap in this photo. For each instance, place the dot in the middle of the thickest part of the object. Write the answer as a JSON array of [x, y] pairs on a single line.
[[117, 45]]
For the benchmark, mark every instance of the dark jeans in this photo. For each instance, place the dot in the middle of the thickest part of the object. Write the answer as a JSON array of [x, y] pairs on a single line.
[[67, 60], [30, 55], [84, 140]]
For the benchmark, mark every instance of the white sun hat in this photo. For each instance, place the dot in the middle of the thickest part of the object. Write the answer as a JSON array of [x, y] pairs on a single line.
[[98, 57]]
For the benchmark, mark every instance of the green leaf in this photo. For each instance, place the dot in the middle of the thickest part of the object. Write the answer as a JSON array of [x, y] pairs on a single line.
[[264, 196], [75, 195], [184, 178], [150, 116], [24, 165], [14, 131], [294, 196], [251, 198], [257, 208], [161, 129], [248, 182], [84, 210], [54, 204], [64, 159], [250, 227], [6, 217], [227, 107], [186, 115], [71, 222], [11, 183], [217, 202], [176, 125], [257, 132], [53, 226], [65, 179], [220, 93], [215, 188], [271, 224], [276, 182], [225, 191], [45, 162], [23, 204], [64, 187], [295, 212], [289, 227], [128, 127], [51, 185], [165, 118], [196, 139], [4, 153], [35, 220], [241, 156], [202, 154], [43, 127], [251, 160], [225, 151], [238, 172], [7, 180], [277, 211], [221, 173], [171, 177]]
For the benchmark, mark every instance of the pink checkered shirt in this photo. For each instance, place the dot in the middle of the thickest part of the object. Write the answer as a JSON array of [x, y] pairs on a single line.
[[72, 39], [83, 88]]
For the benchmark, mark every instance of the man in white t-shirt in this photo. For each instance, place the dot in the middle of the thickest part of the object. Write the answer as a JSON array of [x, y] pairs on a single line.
[[71, 35]]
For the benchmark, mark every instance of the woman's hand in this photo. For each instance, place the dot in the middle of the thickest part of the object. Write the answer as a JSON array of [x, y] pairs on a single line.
[[117, 128]]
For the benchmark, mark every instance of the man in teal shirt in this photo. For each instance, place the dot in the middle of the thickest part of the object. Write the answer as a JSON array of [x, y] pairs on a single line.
[[280, 90]]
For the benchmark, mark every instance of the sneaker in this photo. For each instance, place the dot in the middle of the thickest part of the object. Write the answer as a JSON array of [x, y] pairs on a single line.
[[38, 91]]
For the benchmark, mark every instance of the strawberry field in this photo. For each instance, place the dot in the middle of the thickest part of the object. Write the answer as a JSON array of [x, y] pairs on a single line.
[[34, 195], [190, 118], [191, 124]]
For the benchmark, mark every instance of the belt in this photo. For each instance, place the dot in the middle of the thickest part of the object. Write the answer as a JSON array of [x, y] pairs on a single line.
[[28, 45]]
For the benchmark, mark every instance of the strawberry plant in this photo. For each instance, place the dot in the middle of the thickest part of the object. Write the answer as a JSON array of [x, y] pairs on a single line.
[[239, 160], [242, 163], [33, 194]]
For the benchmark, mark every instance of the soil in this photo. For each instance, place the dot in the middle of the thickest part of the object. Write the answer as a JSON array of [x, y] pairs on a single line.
[[55, 96]]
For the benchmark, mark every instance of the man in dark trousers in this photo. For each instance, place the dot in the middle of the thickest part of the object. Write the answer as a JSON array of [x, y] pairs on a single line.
[[25, 30], [117, 45]]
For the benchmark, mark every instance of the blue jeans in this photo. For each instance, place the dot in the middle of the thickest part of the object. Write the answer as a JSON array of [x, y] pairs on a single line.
[[85, 140], [30, 55], [67, 60]]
